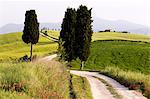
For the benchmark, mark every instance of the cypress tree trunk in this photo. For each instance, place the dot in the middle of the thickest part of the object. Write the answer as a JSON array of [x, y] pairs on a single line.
[[31, 53], [82, 65], [69, 65]]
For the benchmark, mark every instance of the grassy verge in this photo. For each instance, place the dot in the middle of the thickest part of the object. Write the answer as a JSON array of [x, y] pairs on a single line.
[[81, 87], [34, 80], [132, 80]]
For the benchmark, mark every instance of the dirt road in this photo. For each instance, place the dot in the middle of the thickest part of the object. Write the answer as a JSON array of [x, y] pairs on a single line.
[[99, 89], [47, 58]]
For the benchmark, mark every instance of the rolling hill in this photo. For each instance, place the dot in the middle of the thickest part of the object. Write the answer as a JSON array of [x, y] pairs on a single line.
[[8, 28], [98, 25], [12, 46]]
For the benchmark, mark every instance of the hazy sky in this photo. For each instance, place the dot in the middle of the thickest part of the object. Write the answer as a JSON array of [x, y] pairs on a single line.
[[137, 11]]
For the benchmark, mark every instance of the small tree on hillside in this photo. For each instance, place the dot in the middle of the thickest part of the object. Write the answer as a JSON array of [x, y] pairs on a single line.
[[31, 29], [67, 36], [83, 33]]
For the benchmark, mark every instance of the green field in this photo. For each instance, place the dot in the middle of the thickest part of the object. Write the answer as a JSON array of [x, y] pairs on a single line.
[[127, 62], [12, 46], [120, 36], [133, 56], [127, 55]]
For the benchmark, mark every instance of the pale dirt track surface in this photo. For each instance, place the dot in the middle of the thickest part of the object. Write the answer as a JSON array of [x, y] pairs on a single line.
[[99, 90], [47, 58]]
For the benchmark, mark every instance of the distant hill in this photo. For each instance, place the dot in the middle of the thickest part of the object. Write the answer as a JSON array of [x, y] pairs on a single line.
[[19, 27], [11, 28], [119, 25], [98, 25]]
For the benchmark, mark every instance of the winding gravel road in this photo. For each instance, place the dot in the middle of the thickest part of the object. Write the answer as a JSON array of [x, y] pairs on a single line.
[[100, 91]]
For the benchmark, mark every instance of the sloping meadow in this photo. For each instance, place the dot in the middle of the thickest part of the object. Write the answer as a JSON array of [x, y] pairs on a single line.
[[12, 47], [134, 56]]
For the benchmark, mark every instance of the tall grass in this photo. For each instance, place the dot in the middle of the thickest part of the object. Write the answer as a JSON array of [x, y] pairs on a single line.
[[81, 87], [133, 80], [34, 80]]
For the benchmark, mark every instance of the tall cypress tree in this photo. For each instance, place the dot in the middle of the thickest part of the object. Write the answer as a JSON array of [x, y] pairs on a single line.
[[67, 36], [83, 33], [31, 29]]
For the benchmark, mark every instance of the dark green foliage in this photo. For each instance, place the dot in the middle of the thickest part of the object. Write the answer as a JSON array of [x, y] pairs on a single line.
[[67, 35], [31, 28], [75, 36], [83, 33]]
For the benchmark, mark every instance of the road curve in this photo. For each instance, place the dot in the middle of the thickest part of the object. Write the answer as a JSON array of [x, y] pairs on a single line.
[[47, 58], [99, 90]]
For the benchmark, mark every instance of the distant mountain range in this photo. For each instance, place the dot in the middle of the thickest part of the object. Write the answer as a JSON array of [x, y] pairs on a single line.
[[19, 27], [119, 25], [98, 25]]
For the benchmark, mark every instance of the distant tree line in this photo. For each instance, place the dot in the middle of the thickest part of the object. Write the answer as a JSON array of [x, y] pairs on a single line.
[[109, 30], [75, 35], [54, 29]]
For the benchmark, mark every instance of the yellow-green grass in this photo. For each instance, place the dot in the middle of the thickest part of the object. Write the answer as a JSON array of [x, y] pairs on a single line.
[[46, 80], [112, 36], [34, 80], [81, 87], [12, 46], [120, 36], [133, 80], [53, 33]]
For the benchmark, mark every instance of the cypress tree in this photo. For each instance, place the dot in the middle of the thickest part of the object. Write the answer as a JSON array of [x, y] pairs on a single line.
[[31, 29], [83, 33], [67, 36]]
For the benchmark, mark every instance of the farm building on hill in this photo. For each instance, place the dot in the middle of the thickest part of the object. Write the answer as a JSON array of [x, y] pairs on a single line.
[[108, 30]]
